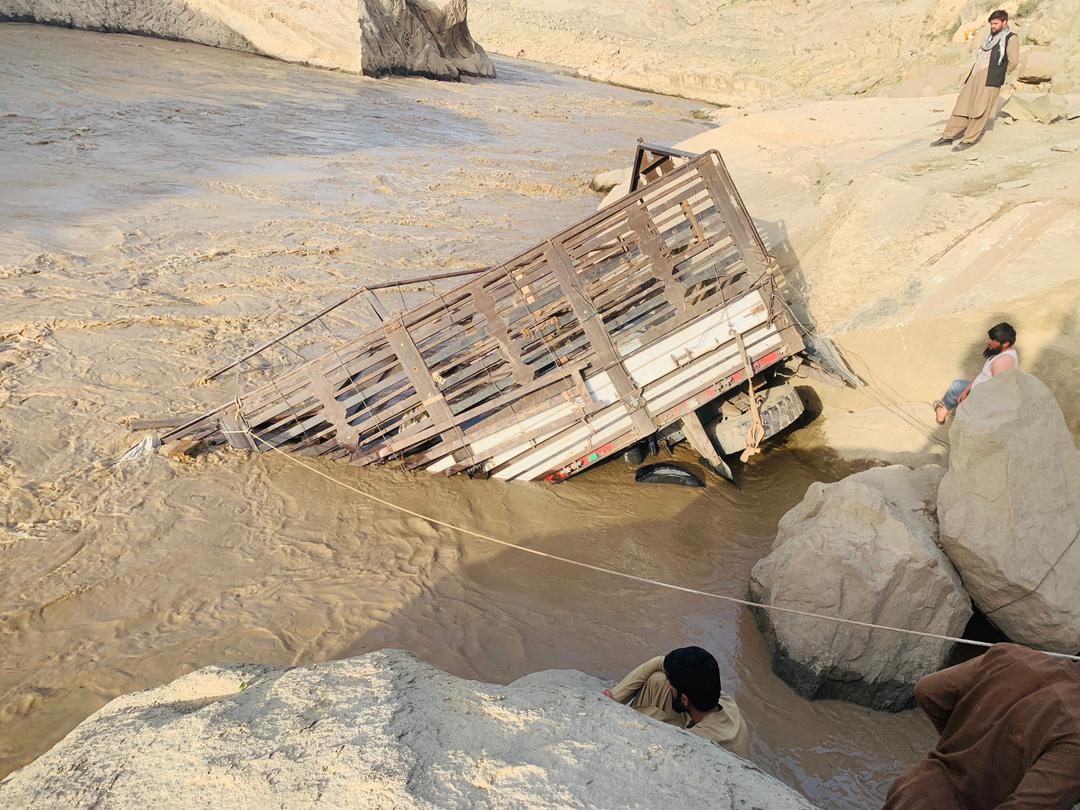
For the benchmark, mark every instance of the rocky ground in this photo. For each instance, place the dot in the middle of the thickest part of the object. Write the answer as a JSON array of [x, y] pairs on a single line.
[[909, 548], [384, 730], [754, 53], [864, 548]]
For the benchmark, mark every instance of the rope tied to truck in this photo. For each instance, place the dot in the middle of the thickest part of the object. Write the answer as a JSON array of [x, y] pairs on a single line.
[[610, 571]]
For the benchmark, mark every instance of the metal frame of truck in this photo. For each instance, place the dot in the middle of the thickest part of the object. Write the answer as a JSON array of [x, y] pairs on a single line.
[[537, 368]]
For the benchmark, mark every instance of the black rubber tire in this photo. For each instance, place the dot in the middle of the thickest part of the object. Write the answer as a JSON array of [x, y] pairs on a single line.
[[667, 473]]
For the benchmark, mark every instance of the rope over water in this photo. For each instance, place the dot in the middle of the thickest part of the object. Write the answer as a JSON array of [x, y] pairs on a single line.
[[622, 574]]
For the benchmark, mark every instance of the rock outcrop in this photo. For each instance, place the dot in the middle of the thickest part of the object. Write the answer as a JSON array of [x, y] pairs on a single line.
[[424, 37], [1009, 509], [373, 37], [864, 549], [1044, 109], [383, 730]]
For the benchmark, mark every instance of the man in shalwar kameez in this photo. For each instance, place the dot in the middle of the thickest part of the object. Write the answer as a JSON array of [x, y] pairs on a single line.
[[977, 104], [683, 689]]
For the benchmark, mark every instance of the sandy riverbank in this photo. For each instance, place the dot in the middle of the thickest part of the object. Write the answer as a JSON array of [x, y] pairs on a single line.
[[770, 53], [905, 255]]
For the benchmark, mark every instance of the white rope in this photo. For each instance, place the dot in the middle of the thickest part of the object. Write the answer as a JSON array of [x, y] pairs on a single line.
[[611, 572]]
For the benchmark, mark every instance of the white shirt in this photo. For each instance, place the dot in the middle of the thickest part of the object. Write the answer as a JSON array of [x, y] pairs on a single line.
[[987, 373]]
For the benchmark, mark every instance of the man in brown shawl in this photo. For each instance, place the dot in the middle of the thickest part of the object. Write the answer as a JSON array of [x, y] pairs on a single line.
[[1009, 722], [977, 104]]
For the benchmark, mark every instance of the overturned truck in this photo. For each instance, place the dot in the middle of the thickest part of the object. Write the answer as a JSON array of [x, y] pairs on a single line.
[[624, 329]]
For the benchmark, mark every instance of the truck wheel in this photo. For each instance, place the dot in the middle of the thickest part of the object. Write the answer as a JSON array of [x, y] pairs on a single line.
[[780, 409]]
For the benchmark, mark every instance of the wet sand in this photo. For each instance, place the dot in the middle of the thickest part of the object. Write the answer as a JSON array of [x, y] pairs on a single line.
[[166, 208]]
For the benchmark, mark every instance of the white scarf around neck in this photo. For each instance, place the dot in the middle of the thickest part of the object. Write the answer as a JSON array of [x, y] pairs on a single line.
[[996, 39]]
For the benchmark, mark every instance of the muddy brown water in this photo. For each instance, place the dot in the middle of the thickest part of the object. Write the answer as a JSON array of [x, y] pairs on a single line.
[[165, 208]]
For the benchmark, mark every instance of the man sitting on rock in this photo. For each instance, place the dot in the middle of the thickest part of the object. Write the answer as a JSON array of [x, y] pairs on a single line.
[[1009, 722], [683, 688], [1000, 356]]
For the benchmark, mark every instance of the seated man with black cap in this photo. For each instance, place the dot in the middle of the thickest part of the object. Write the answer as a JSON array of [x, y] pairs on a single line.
[[683, 688]]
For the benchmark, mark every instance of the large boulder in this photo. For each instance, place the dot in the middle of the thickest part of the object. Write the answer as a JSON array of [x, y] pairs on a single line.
[[1009, 509], [424, 37], [1040, 65], [373, 37], [864, 549], [383, 730]]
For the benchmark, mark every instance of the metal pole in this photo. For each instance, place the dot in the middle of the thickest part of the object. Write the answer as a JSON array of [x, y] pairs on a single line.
[[332, 307]]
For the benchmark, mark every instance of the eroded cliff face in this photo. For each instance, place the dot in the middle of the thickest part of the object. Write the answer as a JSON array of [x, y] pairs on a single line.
[[384, 729], [374, 37], [425, 37], [751, 52]]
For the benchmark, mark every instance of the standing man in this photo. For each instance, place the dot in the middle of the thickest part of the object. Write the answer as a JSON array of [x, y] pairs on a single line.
[[999, 54], [1000, 356], [1009, 722], [682, 688]]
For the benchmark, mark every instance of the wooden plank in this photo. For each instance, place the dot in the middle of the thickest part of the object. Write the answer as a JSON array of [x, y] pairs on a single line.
[[398, 337], [234, 434], [525, 436], [558, 438], [333, 410], [506, 403], [296, 379], [598, 337], [398, 398], [162, 423], [735, 217]]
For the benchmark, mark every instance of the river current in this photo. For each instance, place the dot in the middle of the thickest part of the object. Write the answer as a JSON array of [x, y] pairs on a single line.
[[165, 208]]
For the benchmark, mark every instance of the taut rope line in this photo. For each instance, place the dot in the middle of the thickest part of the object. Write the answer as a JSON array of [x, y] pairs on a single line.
[[622, 574]]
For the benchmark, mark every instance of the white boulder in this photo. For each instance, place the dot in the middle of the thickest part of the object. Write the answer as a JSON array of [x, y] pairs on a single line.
[[373, 37], [1009, 509], [383, 730], [1043, 109], [862, 548]]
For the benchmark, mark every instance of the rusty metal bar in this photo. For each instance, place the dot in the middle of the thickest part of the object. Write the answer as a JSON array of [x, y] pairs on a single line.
[[367, 288], [665, 153]]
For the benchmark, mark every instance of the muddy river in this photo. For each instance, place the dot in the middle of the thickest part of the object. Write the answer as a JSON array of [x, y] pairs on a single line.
[[166, 207]]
